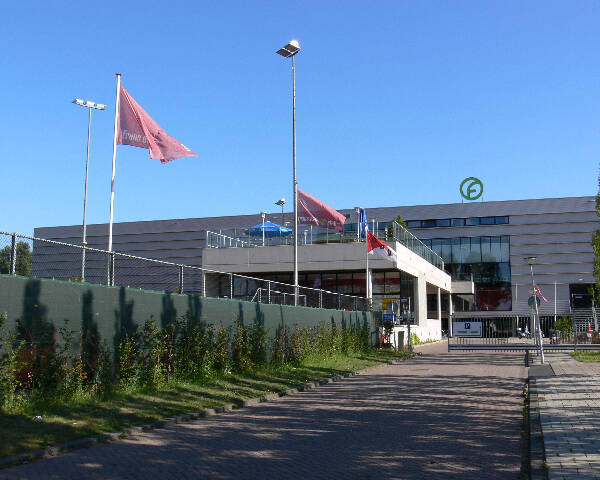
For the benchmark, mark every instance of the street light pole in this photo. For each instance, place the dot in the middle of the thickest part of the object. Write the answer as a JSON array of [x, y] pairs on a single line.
[[98, 106], [290, 50], [537, 325]]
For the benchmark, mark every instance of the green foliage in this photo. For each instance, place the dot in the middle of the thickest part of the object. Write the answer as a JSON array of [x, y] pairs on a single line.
[[564, 325], [150, 358], [240, 350], [390, 228], [10, 350], [22, 263]]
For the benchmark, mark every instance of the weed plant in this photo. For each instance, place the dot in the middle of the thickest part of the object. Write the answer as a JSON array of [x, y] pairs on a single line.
[[53, 368]]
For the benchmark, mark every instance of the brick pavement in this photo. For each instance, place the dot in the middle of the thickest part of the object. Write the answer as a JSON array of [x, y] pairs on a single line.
[[441, 416], [569, 405]]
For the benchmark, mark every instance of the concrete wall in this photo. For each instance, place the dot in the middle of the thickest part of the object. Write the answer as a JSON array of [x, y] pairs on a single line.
[[112, 309]]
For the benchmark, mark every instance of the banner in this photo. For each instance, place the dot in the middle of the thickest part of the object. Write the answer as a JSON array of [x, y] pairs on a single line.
[[312, 211]]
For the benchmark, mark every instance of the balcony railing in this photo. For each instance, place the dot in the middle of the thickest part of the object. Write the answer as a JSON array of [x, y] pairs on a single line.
[[309, 235]]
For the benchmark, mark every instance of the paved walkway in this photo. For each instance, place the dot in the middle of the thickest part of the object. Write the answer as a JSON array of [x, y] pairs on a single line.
[[441, 416], [569, 401]]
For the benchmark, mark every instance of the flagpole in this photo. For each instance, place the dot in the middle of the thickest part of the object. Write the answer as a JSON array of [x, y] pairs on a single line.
[[114, 157]]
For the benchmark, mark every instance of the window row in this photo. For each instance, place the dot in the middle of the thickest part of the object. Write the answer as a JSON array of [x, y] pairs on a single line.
[[457, 222], [471, 249]]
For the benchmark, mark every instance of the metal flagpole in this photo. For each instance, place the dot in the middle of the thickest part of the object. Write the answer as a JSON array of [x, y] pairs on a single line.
[[114, 157], [87, 167]]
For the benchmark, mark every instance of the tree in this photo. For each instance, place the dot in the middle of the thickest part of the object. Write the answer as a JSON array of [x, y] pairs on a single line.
[[390, 228], [23, 263]]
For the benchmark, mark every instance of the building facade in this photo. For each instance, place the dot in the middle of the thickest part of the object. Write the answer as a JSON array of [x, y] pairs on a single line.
[[485, 242]]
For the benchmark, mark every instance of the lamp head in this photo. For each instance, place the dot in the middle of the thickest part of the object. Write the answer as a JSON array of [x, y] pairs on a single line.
[[281, 202], [290, 49], [530, 260]]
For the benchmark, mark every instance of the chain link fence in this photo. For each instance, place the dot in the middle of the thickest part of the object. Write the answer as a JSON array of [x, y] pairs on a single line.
[[41, 258]]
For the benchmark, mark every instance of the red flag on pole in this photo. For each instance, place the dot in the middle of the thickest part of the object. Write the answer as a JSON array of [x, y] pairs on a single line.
[[312, 211], [137, 128], [379, 248], [539, 292]]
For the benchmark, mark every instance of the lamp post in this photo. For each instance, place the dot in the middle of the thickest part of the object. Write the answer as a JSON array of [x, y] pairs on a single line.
[[290, 50], [531, 261], [281, 202], [97, 106], [263, 214]]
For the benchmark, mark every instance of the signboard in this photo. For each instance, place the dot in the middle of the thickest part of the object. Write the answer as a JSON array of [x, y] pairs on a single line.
[[532, 299], [386, 304], [471, 188], [467, 329], [389, 317]]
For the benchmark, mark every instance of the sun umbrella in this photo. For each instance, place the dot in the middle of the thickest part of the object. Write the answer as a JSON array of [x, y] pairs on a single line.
[[271, 230]]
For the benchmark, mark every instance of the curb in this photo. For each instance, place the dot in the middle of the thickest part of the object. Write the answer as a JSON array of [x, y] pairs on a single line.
[[87, 442], [536, 436]]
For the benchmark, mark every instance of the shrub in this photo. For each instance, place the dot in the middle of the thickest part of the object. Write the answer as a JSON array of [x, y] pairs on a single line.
[[258, 344], [240, 350]]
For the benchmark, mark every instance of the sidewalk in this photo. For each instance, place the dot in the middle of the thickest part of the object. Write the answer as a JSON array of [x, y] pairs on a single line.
[[439, 416], [569, 406]]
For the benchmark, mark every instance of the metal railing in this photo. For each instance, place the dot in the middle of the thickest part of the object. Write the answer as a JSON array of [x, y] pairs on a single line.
[[64, 261], [241, 238]]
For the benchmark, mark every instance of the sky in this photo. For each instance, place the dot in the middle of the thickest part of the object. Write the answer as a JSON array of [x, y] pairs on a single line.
[[397, 103]]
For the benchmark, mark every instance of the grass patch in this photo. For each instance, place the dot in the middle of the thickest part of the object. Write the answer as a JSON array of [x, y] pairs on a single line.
[[583, 356], [86, 415]]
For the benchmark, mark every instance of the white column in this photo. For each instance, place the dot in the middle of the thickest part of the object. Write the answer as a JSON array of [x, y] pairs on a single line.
[[450, 314], [420, 300], [439, 305]]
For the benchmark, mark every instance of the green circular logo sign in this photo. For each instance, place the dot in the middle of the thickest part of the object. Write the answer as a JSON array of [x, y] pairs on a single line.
[[471, 188]]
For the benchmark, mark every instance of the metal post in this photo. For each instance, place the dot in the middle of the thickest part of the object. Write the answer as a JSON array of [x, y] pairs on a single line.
[[320, 298], [111, 269], [574, 333], [231, 285], [87, 166], [537, 315], [180, 288], [269, 289], [295, 182], [114, 157], [13, 254], [203, 283]]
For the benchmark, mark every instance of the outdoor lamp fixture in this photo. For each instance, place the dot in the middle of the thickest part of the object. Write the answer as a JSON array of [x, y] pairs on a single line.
[[357, 210], [96, 106], [263, 215], [530, 261], [290, 50], [281, 202]]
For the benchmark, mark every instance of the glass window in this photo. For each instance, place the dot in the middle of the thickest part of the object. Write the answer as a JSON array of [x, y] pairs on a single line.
[[496, 250], [505, 249], [344, 283], [458, 222], [474, 255], [413, 223], [378, 279], [328, 281], [313, 280], [487, 220], [501, 220], [465, 249], [358, 282], [392, 282], [447, 250], [427, 242], [486, 254], [428, 223], [472, 221], [444, 222], [456, 252], [240, 286], [436, 245]]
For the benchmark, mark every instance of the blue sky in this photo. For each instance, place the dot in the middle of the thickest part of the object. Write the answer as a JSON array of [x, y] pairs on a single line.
[[397, 102]]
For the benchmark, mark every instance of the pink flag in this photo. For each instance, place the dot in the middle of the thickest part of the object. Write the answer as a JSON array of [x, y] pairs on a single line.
[[539, 292], [314, 212], [138, 129]]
